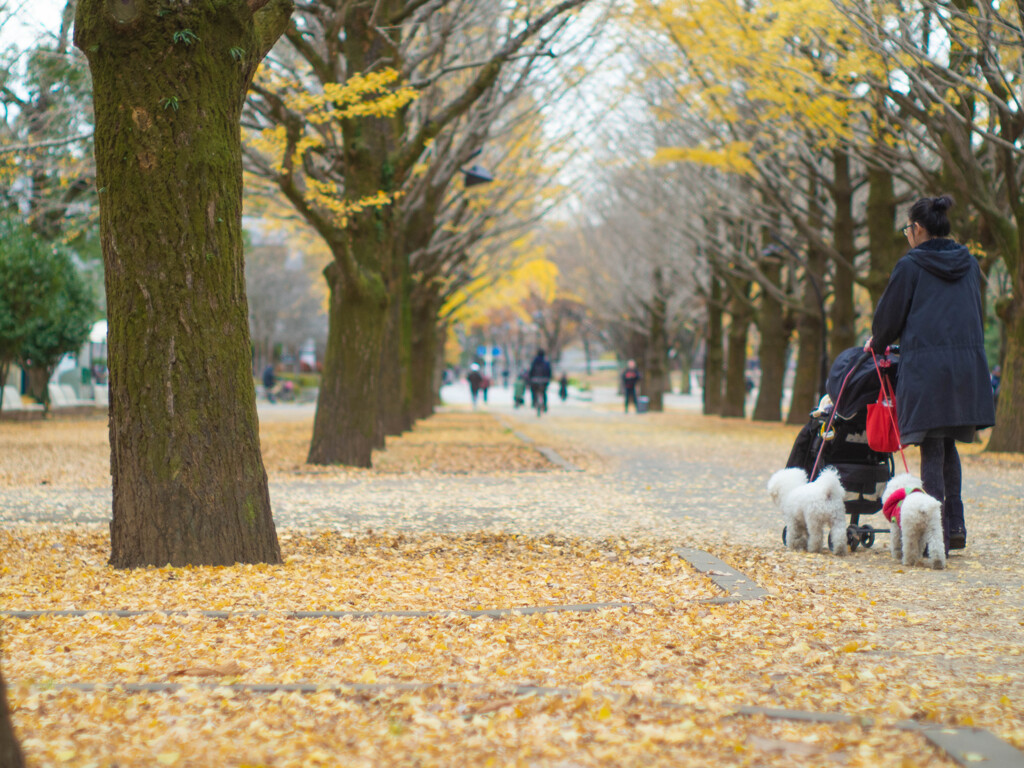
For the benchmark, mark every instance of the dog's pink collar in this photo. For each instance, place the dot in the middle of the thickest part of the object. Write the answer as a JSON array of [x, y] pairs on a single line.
[[892, 505]]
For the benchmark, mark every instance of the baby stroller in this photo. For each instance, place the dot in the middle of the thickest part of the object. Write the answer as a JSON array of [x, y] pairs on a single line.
[[841, 441]]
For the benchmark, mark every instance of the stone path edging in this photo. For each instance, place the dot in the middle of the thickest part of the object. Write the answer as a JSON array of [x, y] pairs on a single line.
[[493, 613], [738, 586], [968, 747], [548, 453]]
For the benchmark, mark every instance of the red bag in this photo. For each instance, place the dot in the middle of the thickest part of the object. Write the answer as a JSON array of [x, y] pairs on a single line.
[[883, 429]]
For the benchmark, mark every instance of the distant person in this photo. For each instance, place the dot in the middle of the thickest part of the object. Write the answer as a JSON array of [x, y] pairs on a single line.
[[269, 382], [475, 379], [630, 378], [485, 384], [997, 377], [504, 377], [540, 377], [563, 388]]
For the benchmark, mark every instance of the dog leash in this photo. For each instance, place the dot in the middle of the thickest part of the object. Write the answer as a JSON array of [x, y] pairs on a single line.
[[831, 418], [891, 396]]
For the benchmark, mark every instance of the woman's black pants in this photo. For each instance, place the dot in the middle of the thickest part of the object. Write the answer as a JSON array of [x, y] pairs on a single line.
[[941, 477]]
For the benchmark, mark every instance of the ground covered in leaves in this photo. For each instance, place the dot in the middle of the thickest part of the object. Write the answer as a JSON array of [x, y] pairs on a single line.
[[74, 452], [660, 678], [656, 682]]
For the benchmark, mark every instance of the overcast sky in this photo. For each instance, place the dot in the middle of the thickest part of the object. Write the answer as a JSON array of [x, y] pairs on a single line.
[[28, 19]]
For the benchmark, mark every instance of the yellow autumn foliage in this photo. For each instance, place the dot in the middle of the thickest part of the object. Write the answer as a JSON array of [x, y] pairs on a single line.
[[782, 68], [375, 94]]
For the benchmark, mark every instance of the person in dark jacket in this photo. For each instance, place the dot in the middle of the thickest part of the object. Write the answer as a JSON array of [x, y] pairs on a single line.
[[540, 377], [269, 382], [630, 378], [932, 304], [476, 381]]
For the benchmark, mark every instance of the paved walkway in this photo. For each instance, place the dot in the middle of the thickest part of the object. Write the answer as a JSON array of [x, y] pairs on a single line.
[[675, 476]]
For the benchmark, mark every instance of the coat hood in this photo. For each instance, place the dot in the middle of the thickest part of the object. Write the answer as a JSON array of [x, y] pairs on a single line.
[[944, 258]]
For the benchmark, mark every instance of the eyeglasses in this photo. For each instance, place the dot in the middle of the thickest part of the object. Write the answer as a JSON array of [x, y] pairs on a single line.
[[907, 228]]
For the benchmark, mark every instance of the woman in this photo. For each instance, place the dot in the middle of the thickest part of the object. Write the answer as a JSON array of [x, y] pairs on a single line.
[[932, 304]]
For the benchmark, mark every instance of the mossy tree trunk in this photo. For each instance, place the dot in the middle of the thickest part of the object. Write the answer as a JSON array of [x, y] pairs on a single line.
[[10, 752], [169, 81], [345, 424]]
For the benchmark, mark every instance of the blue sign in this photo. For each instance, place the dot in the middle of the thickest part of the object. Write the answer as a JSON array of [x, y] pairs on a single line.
[[481, 351]]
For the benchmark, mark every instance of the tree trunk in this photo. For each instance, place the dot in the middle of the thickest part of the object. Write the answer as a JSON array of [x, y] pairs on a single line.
[[772, 352], [10, 752], [1008, 434], [439, 361], [657, 348], [396, 385], [394, 413], [885, 242], [345, 424], [685, 357], [189, 485], [843, 312], [734, 404], [38, 380], [424, 358], [811, 355], [714, 353], [348, 422]]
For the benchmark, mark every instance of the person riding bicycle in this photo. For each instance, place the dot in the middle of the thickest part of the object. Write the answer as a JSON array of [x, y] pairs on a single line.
[[540, 376]]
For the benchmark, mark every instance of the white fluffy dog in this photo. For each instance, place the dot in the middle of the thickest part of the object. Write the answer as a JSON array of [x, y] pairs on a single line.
[[915, 522], [813, 512]]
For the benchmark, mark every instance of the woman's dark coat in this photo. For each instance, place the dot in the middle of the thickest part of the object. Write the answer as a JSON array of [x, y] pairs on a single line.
[[932, 304]]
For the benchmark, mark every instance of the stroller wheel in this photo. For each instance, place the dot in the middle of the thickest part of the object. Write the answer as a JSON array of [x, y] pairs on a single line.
[[784, 534], [853, 537], [867, 537]]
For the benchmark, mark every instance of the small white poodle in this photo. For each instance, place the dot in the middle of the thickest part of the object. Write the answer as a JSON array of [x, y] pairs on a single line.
[[814, 513], [915, 522]]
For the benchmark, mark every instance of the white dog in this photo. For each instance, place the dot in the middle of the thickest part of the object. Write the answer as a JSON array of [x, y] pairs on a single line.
[[915, 522], [814, 513]]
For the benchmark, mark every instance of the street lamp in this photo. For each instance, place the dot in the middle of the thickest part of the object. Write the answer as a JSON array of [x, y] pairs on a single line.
[[475, 174], [774, 250]]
